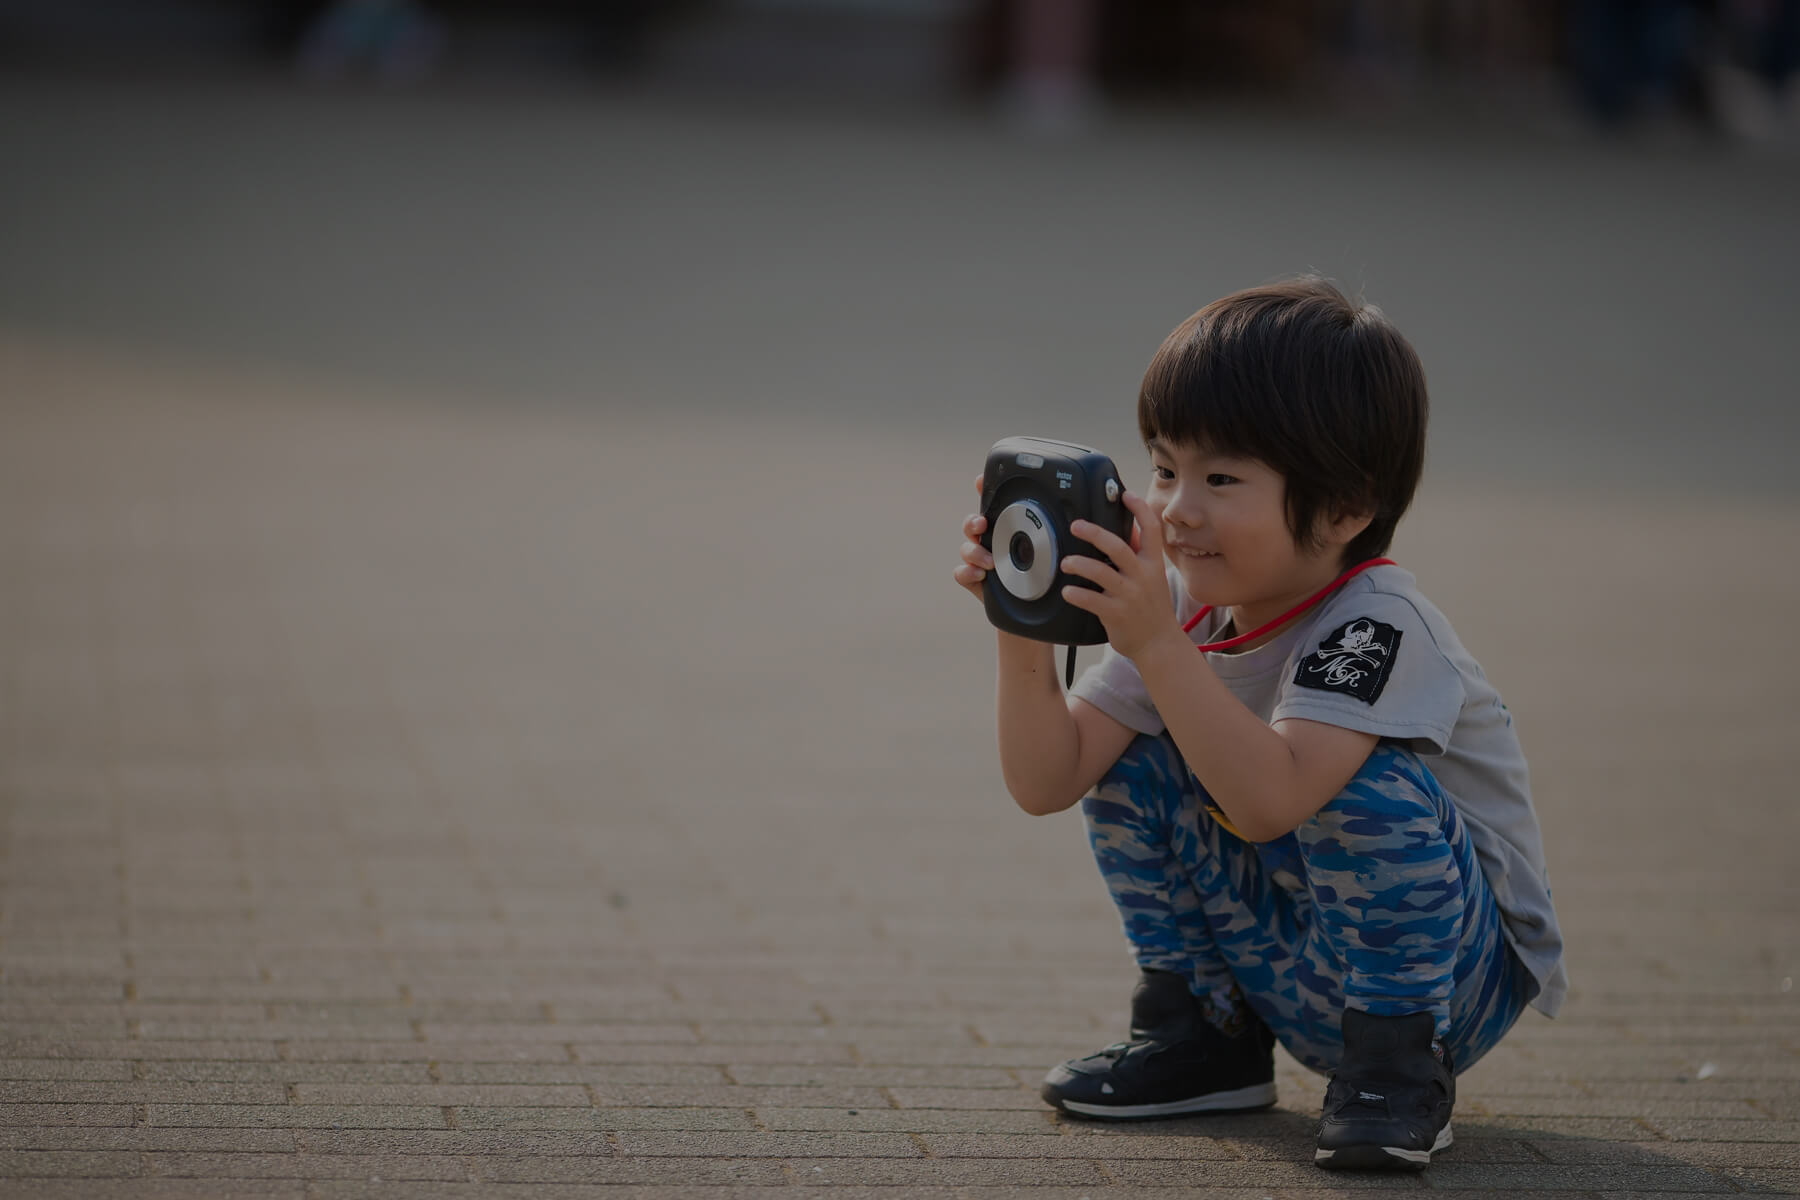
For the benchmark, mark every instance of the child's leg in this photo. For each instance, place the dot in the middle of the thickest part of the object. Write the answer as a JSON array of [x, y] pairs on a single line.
[[1377, 901], [1405, 930], [1140, 821], [1402, 918], [1194, 1045]]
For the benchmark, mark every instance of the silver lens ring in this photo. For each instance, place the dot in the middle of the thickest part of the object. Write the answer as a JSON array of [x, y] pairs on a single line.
[[1025, 559]]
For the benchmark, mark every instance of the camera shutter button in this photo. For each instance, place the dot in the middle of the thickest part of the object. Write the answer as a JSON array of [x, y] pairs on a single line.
[[1112, 491]]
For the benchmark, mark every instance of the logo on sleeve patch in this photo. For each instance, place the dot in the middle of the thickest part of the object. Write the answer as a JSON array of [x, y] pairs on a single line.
[[1356, 659]]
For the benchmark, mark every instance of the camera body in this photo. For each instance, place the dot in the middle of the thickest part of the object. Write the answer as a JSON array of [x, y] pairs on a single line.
[[1031, 492]]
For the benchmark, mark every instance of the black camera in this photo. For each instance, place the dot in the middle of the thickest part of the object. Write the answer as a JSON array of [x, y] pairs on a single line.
[[1033, 489]]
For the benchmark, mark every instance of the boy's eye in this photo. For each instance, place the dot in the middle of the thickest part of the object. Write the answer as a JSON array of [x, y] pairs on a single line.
[[1162, 473], [1219, 479]]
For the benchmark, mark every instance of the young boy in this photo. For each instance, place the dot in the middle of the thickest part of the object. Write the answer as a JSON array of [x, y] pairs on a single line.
[[1319, 828]]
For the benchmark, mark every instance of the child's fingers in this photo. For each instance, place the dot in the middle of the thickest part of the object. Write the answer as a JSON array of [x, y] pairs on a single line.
[[1086, 599], [973, 526], [1094, 571], [1146, 533], [977, 556], [1103, 540]]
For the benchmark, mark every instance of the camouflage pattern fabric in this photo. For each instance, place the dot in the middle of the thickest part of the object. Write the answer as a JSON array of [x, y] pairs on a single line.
[[1376, 902]]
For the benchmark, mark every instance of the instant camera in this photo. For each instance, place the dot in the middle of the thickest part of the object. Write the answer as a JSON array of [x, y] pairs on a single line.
[[1033, 489]]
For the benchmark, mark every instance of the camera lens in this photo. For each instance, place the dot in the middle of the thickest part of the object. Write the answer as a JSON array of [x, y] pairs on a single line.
[[1022, 551], [1025, 550]]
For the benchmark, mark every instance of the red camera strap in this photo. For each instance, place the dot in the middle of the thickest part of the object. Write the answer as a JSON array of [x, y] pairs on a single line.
[[1290, 614]]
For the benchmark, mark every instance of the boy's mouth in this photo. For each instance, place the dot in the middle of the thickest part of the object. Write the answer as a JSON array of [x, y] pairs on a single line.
[[1187, 551]]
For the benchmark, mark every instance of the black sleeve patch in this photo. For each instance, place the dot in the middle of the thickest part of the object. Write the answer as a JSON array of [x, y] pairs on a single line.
[[1356, 658]]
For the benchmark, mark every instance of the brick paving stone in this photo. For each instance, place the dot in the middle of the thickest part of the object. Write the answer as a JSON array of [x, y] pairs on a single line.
[[734, 1095], [1019, 1098], [139, 1050], [905, 1120], [152, 1189], [1277, 1123], [1264, 1175], [1030, 1058], [136, 1092], [584, 1035], [519, 1095], [65, 1114], [324, 1050], [1003, 1145], [911, 1173], [62, 1068], [297, 1116], [1499, 1108], [143, 1138], [1499, 1150], [502, 1117], [585, 1073], [1727, 1131], [343, 1189], [885, 1076], [444, 1142], [27, 1164], [1712, 1154], [675, 1118], [1779, 1182], [286, 1072], [619, 1172], [711, 1144], [251, 1165], [1648, 1177], [723, 1056], [1615, 1129]]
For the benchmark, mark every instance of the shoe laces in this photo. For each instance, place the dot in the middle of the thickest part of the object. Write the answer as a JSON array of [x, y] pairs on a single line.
[[1118, 1050]]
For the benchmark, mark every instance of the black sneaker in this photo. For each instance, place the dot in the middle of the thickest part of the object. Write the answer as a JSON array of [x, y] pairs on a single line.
[[1388, 1103], [1175, 1063]]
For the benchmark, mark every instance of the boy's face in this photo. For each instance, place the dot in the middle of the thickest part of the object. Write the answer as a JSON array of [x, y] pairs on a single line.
[[1224, 526]]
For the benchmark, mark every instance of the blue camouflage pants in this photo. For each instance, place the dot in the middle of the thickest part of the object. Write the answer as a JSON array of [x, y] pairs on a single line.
[[1376, 903]]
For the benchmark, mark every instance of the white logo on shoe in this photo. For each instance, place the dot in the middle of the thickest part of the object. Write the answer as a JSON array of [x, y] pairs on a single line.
[[1106, 1089], [1369, 1096]]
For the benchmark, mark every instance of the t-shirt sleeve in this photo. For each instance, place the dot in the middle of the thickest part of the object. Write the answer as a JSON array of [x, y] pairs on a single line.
[[1114, 686], [1374, 666]]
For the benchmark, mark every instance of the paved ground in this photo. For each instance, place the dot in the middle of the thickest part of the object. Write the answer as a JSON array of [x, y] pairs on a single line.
[[483, 710]]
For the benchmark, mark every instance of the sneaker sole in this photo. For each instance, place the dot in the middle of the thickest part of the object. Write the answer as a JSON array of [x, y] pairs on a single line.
[[1260, 1095], [1371, 1158]]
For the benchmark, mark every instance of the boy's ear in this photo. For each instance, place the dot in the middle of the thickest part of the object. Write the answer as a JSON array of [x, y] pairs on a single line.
[[1340, 529]]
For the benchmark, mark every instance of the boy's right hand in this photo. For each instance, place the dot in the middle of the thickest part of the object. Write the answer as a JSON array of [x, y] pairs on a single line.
[[976, 561]]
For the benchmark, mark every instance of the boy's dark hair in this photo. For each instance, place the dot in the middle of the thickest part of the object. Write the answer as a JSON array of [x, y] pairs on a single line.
[[1319, 387]]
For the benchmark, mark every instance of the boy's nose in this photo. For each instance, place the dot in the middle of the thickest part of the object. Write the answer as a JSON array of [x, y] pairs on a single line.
[[1177, 513]]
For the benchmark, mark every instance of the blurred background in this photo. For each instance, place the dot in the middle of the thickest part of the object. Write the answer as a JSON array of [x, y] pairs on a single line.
[[479, 484], [967, 208]]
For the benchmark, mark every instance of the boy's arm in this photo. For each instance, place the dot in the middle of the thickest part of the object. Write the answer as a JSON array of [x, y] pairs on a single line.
[[1053, 749], [1267, 779]]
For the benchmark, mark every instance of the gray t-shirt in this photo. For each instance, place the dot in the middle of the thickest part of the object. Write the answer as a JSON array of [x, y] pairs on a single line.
[[1377, 656]]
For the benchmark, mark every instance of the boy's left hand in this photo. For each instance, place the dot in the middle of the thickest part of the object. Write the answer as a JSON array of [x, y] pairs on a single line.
[[1133, 601]]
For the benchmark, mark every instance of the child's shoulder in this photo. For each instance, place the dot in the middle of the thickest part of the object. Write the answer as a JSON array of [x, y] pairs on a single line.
[[1378, 638], [1388, 594]]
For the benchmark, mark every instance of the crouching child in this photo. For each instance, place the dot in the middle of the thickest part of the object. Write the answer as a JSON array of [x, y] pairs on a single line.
[[1306, 800]]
